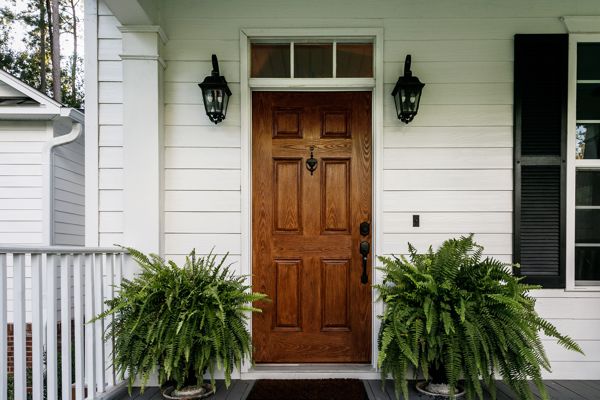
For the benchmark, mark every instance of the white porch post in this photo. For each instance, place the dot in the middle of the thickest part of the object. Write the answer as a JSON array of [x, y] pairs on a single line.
[[143, 134]]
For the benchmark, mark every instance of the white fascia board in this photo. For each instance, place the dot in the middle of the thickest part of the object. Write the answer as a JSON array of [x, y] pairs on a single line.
[[29, 113]]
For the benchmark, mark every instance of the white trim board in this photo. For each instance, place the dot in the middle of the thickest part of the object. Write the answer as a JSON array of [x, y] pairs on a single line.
[[91, 123], [247, 85]]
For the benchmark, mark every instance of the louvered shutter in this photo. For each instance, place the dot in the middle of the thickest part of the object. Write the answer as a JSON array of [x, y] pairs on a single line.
[[540, 112]]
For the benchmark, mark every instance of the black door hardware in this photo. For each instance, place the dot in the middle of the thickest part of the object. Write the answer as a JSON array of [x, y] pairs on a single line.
[[365, 228], [311, 163], [364, 251]]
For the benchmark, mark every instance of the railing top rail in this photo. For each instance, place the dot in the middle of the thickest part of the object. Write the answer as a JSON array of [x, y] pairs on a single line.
[[60, 250]]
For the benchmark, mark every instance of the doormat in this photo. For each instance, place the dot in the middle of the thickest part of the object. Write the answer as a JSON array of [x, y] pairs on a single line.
[[308, 389]]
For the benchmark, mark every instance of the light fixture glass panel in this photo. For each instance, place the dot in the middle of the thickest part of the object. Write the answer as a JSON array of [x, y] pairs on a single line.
[[313, 60], [270, 60], [588, 61], [588, 101], [354, 60], [587, 141]]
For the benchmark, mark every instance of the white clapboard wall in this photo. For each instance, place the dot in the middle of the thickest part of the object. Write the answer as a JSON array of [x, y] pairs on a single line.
[[21, 188], [452, 164], [68, 191]]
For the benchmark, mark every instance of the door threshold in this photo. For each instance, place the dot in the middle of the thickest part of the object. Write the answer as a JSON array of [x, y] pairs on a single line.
[[311, 371]]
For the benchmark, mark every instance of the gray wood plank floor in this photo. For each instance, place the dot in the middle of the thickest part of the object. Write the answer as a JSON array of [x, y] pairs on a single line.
[[557, 389]]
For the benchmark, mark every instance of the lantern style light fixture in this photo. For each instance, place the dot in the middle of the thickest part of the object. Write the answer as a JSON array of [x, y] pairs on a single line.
[[215, 93], [407, 94]]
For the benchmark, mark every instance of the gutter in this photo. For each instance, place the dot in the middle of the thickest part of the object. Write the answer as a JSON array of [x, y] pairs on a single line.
[[47, 198]]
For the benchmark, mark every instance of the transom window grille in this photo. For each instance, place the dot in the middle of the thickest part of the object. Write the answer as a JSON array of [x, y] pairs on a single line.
[[316, 59]]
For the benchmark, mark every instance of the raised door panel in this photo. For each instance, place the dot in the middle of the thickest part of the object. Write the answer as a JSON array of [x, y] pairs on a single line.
[[287, 123], [335, 196], [335, 124], [287, 298], [287, 195], [335, 295]]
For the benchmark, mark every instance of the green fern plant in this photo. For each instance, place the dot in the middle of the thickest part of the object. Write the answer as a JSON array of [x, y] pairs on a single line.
[[180, 321], [468, 317]]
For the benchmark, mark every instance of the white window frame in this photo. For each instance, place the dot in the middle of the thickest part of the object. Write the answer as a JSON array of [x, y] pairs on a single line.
[[573, 164]]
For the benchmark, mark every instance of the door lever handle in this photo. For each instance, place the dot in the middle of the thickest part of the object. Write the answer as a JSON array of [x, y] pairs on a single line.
[[364, 248]]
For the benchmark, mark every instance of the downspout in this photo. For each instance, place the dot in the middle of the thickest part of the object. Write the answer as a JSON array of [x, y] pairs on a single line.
[[47, 176]]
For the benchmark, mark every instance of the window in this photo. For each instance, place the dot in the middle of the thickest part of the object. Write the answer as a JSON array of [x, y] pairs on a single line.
[[585, 168], [316, 59]]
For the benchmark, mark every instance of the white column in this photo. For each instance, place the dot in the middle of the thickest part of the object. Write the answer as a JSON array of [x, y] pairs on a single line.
[[143, 134]]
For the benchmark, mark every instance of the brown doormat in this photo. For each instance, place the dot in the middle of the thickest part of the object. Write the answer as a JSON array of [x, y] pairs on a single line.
[[308, 389]]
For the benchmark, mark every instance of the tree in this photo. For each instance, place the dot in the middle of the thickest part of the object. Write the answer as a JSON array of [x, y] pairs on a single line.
[[56, 70], [42, 64]]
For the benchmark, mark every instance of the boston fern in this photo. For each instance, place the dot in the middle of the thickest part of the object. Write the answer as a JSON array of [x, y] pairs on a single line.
[[454, 311], [180, 321]]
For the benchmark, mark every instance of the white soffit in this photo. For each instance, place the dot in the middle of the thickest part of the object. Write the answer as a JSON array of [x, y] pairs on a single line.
[[582, 24]]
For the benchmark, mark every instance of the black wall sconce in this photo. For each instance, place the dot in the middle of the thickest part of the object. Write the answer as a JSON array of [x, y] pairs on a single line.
[[407, 94], [215, 93]]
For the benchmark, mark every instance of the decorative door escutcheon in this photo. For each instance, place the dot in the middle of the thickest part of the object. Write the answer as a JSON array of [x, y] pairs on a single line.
[[311, 163]]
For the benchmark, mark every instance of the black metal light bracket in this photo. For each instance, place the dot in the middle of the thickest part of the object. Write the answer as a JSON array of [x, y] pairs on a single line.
[[407, 94], [215, 93]]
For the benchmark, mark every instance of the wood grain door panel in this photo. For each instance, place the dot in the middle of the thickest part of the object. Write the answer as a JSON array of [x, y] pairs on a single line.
[[305, 228]]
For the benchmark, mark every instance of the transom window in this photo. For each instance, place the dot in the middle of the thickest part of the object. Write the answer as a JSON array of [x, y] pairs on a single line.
[[315, 59], [587, 165]]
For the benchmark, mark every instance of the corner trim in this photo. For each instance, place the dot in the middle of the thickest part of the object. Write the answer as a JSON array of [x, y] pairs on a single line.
[[161, 61]]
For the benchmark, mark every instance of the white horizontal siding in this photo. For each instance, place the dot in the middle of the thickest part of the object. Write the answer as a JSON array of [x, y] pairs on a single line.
[[68, 189], [110, 129], [21, 186], [345, 11]]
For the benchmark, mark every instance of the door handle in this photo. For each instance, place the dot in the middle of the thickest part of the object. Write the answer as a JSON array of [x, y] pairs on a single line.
[[364, 248]]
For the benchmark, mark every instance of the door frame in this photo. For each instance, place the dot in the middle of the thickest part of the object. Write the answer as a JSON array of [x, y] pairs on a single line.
[[376, 86]]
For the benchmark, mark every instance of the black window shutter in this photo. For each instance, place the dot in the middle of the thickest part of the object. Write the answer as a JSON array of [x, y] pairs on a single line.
[[540, 113]]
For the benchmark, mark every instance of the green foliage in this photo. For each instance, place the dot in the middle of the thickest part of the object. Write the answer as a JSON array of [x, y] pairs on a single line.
[[180, 320], [453, 310]]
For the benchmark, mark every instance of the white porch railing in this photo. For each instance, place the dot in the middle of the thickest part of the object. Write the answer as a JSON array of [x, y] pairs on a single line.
[[42, 289]]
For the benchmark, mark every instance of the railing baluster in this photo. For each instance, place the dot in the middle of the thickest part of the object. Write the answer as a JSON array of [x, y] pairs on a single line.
[[119, 260], [87, 278], [19, 336], [78, 266], [65, 324], [90, 353], [109, 294], [99, 325], [37, 328], [51, 360], [3, 332]]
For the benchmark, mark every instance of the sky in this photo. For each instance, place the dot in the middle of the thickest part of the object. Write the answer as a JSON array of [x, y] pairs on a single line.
[[19, 29]]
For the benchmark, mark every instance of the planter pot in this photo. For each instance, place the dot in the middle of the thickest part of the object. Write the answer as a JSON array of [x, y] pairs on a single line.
[[437, 390], [187, 393], [74, 389]]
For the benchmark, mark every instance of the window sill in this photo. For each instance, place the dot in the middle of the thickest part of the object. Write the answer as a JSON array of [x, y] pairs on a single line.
[[577, 291]]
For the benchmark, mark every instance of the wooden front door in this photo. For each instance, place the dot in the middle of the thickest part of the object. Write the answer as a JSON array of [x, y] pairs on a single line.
[[306, 226]]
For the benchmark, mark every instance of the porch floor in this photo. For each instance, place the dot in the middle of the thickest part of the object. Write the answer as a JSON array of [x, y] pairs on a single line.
[[559, 390]]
